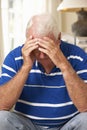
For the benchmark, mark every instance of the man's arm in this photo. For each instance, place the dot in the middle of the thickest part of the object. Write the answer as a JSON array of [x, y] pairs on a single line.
[[10, 92], [76, 87]]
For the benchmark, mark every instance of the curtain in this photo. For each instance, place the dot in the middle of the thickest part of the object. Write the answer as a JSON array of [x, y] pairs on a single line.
[[1, 40], [51, 7]]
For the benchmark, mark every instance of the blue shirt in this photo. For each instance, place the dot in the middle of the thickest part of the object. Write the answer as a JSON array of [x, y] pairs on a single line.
[[44, 98]]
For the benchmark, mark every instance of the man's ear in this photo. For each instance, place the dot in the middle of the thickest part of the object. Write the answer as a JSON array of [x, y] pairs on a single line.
[[59, 37]]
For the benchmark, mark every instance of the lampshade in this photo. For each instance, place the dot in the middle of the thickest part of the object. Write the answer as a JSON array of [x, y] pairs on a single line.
[[79, 28], [72, 5]]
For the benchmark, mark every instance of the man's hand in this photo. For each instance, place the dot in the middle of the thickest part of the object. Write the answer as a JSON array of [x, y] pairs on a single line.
[[27, 51], [52, 49]]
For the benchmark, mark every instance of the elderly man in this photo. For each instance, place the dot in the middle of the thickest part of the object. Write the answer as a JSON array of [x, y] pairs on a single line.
[[46, 80]]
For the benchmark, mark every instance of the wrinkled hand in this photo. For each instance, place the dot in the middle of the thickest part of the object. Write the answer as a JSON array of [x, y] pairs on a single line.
[[51, 49], [27, 51]]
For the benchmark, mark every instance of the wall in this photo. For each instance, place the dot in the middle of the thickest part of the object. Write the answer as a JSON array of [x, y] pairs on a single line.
[[64, 19], [67, 20]]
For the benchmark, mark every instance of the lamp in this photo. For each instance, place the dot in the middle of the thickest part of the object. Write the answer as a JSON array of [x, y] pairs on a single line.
[[79, 28]]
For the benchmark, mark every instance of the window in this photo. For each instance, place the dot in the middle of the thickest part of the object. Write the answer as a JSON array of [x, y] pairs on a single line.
[[15, 15]]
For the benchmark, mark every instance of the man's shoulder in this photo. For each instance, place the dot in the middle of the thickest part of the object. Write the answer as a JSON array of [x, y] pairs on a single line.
[[68, 45], [16, 51], [71, 48]]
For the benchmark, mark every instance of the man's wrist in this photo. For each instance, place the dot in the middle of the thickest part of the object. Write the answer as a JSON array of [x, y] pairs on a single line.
[[26, 68]]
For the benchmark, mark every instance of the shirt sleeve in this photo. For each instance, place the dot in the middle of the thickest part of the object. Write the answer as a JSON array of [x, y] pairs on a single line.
[[8, 69], [79, 59]]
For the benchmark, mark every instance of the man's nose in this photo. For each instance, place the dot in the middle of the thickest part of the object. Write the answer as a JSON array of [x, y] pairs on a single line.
[[42, 55]]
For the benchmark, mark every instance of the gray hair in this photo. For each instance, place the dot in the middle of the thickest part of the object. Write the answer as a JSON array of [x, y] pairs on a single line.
[[45, 24]]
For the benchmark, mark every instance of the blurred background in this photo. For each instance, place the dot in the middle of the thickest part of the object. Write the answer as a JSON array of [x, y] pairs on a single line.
[[14, 15]]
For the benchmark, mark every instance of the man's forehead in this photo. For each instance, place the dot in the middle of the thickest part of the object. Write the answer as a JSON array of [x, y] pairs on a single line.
[[34, 33]]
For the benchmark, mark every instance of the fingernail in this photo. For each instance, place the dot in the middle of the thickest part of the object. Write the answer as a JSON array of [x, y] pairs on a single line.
[[37, 42]]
